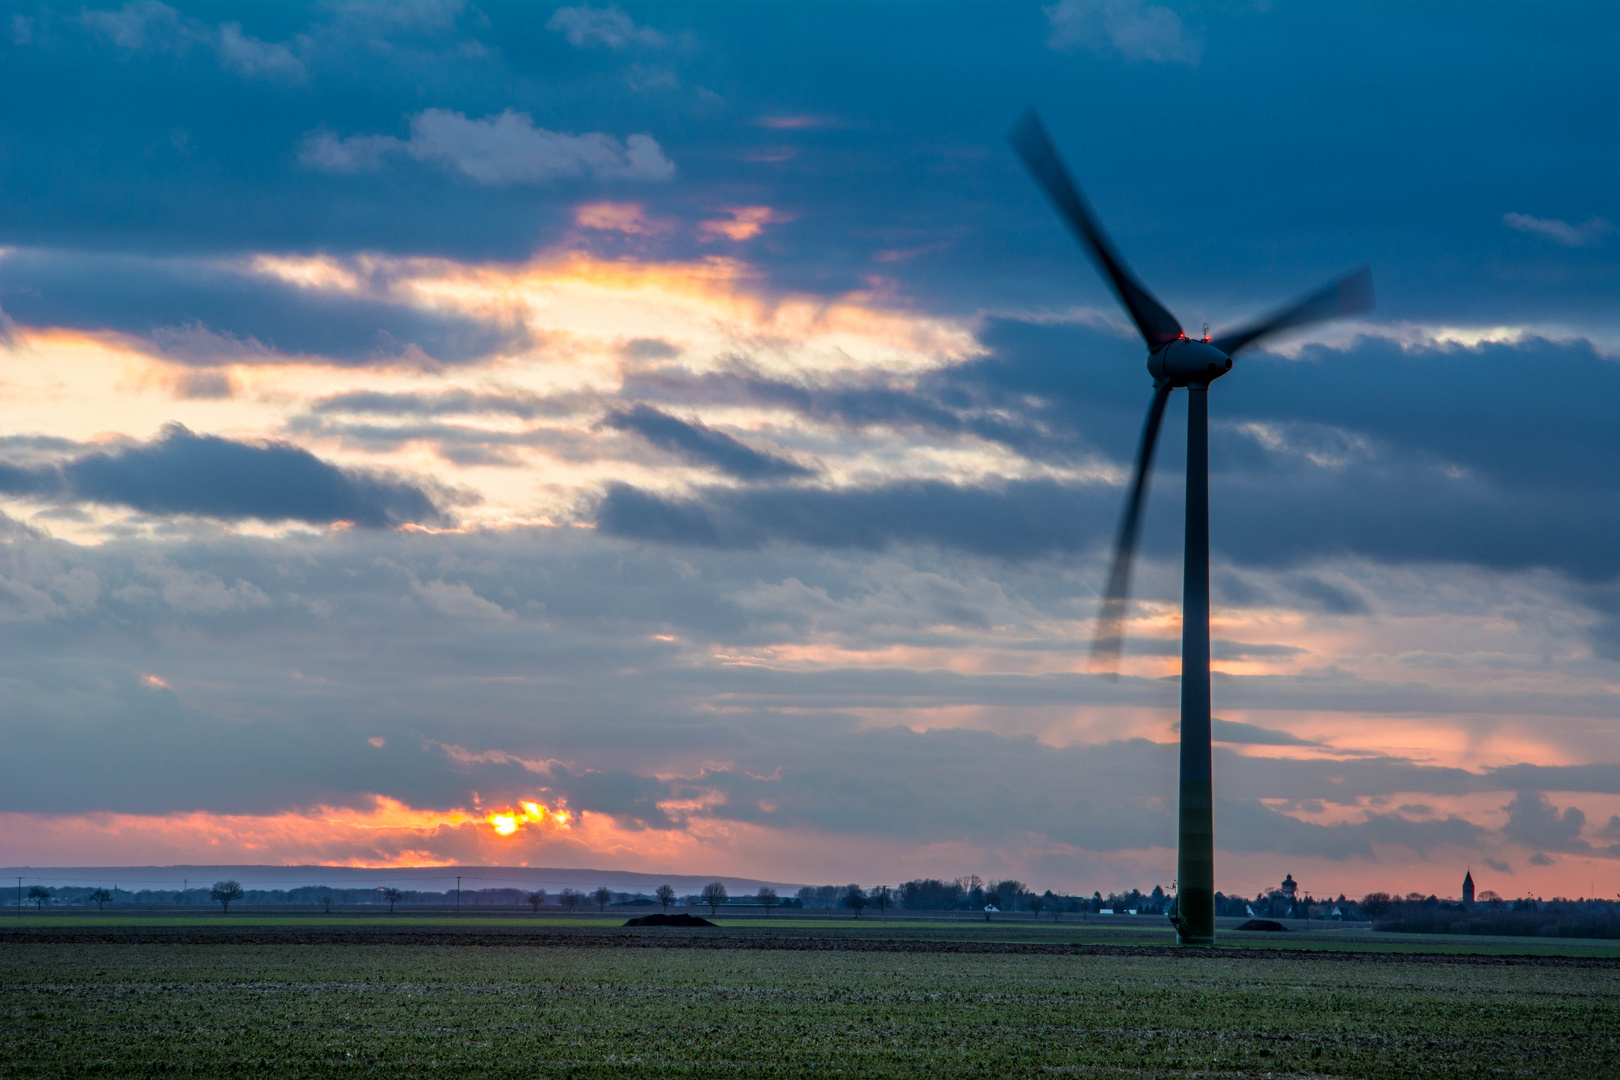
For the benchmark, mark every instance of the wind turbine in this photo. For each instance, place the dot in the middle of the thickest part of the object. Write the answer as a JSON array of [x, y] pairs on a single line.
[[1174, 360]]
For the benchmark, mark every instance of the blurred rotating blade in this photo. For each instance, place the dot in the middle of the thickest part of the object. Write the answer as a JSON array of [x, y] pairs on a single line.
[[1350, 295], [1105, 647], [1032, 144]]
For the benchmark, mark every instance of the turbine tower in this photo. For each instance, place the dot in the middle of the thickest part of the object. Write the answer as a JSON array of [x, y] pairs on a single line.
[[1175, 361]]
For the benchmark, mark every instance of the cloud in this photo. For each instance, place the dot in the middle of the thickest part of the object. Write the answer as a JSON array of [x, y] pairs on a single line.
[[1015, 520], [521, 404], [672, 695], [584, 26], [1539, 858], [746, 222], [701, 444], [1132, 28], [142, 24], [1535, 822], [497, 150], [627, 218], [1498, 865], [147, 24], [203, 386], [1589, 233], [324, 151], [182, 473], [204, 312], [249, 56], [1235, 731]]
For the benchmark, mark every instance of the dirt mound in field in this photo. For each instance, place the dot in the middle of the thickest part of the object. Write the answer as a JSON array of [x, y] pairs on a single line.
[[683, 919], [1263, 924]]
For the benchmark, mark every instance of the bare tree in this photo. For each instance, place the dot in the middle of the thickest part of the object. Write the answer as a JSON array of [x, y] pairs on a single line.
[[535, 899], [1036, 903], [880, 897], [714, 894], [603, 897], [100, 898], [570, 899], [326, 902], [666, 895], [393, 896], [225, 892], [767, 899], [39, 894], [854, 899]]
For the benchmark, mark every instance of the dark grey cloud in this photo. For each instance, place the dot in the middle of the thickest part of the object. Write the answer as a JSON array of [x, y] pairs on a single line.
[[198, 312], [521, 404], [1535, 822], [1056, 393], [1251, 826], [182, 473], [1222, 649], [1020, 519], [703, 445], [594, 663], [1483, 457], [1235, 731], [460, 444]]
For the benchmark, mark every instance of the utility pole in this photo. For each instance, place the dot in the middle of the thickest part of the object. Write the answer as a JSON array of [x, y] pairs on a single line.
[[458, 894], [19, 897]]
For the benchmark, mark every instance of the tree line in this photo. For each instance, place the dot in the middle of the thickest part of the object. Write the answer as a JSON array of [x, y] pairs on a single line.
[[1413, 913]]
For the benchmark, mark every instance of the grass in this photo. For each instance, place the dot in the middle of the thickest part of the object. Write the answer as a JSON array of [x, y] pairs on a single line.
[[318, 1010]]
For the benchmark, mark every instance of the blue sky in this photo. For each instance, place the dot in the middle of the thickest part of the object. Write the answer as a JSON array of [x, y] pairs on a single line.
[[692, 418]]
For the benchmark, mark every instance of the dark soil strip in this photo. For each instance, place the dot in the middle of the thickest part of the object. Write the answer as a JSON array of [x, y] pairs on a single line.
[[487, 937]]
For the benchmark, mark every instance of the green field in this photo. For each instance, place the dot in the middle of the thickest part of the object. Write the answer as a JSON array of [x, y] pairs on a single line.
[[593, 1002]]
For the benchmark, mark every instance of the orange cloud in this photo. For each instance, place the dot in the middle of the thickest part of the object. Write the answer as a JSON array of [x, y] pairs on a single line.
[[793, 122], [618, 217], [746, 222]]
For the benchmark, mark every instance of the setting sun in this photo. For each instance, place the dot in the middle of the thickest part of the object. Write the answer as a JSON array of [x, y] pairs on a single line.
[[508, 822]]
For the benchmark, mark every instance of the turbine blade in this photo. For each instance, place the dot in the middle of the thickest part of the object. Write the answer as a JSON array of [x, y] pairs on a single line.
[[1349, 295], [1030, 141], [1110, 637]]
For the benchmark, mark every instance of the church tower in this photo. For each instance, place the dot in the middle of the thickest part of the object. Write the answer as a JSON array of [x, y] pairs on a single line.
[[1468, 889]]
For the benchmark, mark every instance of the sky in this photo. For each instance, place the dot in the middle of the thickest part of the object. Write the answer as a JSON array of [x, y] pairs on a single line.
[[682, 439]]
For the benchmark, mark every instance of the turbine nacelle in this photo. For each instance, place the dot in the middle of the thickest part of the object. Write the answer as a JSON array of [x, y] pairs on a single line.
[[1185, 362]]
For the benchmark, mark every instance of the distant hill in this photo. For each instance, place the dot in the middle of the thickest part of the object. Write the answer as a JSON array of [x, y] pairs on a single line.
[[424, 878]]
